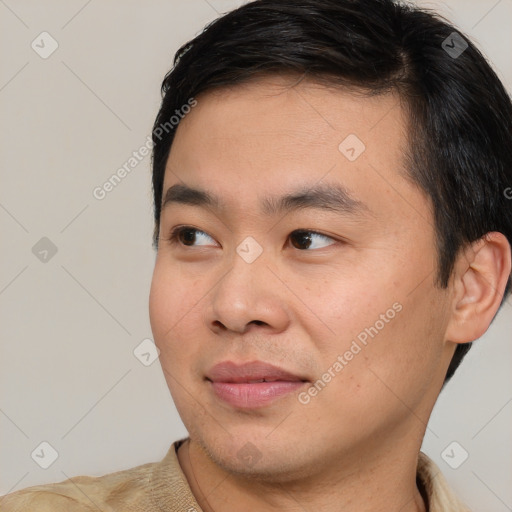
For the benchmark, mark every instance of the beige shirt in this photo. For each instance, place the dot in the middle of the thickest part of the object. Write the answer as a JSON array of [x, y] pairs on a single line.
[[163, 487]]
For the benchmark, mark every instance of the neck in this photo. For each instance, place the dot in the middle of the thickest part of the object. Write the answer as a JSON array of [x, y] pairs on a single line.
[[372, 485]]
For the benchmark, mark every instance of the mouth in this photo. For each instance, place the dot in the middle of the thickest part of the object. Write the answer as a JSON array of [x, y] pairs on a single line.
[[252, 385]]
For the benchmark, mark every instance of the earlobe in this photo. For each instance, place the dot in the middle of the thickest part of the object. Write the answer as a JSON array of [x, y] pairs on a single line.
[[480, 276]]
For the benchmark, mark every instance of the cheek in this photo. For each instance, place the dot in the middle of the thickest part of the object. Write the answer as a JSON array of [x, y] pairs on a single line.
[[350, 305], [175, 316], [389, 339], [340, 296], [171, 301], [161, 305], [397, 362], [164, 313]]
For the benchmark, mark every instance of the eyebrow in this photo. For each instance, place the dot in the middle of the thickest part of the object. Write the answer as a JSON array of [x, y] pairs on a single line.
[[321, 196]]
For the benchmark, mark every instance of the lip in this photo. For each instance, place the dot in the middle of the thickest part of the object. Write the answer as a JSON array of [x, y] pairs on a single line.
[[234, 383]]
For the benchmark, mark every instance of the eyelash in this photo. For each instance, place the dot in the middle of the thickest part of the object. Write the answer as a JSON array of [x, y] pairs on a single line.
[[174, 236]]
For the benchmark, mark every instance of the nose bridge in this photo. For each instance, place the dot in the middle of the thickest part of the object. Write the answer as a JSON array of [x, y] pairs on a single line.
[[247, 292], [248, 264]]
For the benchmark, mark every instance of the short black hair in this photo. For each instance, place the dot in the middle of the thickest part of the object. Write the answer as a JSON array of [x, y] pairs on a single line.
[[460, 115]]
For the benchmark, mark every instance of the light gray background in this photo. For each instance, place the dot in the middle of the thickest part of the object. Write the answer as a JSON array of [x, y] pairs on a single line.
[[69, 326]]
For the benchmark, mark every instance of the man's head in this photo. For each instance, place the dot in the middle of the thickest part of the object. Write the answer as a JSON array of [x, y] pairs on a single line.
[[374, 108]]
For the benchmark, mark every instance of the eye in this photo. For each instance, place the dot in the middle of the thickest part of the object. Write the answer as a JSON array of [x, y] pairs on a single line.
[[301, 239], [305, 237], [187, 235]]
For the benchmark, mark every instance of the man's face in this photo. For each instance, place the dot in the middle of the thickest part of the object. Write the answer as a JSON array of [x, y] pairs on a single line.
[[343, 298]]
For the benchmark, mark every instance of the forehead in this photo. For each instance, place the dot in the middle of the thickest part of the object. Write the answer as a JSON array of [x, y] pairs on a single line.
[[308, 111], [270, 136]]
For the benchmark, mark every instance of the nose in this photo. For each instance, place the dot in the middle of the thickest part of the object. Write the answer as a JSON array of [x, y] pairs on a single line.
[[249, 296]]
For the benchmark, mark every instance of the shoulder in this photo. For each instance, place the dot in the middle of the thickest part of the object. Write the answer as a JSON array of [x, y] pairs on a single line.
[[439, 495], [40, 499], [124, 489]]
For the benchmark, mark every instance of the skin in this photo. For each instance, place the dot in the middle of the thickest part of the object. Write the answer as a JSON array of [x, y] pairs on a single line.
[[355, 445]]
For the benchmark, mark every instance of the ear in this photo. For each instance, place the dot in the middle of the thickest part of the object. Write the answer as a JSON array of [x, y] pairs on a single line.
[[480, 276]]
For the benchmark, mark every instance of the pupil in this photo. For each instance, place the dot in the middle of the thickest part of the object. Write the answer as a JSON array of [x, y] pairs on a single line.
[[304, 238], [188, 239]]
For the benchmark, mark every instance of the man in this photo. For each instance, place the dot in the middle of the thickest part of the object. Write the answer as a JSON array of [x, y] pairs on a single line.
[[333, 231]]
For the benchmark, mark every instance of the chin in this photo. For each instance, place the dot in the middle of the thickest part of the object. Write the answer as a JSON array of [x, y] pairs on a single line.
[[253, 455]]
